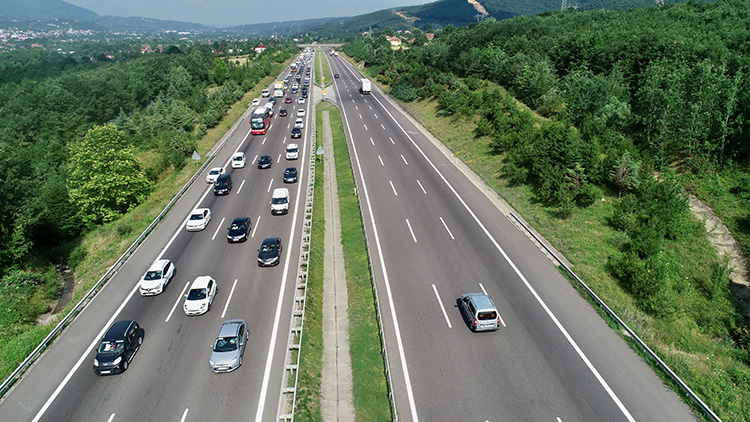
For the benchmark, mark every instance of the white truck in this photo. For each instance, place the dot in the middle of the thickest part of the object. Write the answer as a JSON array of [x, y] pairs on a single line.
[[278, 89], [366, 87]]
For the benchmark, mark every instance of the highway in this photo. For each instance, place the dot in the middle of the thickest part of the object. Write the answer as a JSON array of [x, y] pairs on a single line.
[[434, 235], [169, 378]]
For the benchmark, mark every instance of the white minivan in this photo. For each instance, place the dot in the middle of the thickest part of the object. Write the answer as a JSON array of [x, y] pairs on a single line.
[[280, 201], [292, 152]]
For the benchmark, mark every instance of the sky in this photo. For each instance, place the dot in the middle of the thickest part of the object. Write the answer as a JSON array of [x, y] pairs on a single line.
[[222, 13]]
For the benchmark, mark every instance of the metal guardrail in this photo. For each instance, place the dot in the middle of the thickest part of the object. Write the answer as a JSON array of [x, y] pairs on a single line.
[[622, 323], [34, 355], [288, 395]]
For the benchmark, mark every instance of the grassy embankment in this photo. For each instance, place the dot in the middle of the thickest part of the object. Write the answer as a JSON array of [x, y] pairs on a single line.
[[99, 249]]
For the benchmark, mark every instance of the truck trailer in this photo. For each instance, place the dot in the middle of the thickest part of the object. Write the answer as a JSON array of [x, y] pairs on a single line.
[[366, 87]]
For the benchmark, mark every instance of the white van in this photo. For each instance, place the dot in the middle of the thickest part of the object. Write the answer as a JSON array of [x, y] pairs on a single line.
[[266, 93], [292, 152], [280, 201]]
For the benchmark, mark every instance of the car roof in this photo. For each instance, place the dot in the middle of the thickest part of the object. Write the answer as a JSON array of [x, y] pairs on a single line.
[[265, 157], [481, 300], [200, 282], [199, 210], [291, 168], [158, 264], [117, 330], [292, 145], [280, 192], [231, 327], [240, 220], [223, 176], [238, 154], [216, 169], [270, 240]]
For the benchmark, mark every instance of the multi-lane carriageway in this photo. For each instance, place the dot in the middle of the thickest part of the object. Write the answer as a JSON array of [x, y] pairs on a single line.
[[169, 379], [433, 235]]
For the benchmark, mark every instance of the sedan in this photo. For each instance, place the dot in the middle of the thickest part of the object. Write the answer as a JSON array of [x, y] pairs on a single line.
[[290, 175], [336, 75], [301, 112], [294, 90], [269, 252], [213, 174], [301, 100], [229, 346], [238, 160], [239, 229], [200, 296], [156, 278], [265, 162], [299, 123], [282, 112], [296, 133], [198, 219], [288, 100]]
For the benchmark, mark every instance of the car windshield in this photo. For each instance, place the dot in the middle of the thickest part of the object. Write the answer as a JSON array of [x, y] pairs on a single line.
[[236, 226], [225, 344], [237, 158], [196, 294], [278, 200], [267, 248], [110, 347], [265, 159], [212, 172], [152, 275], [196, 216]]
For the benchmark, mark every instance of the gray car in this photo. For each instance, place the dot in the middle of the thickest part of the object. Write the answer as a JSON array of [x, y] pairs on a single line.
[[229, 346], [480, 311]]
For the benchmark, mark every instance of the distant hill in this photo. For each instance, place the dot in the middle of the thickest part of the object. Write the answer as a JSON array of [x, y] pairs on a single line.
[[279, 28], [43, 10]]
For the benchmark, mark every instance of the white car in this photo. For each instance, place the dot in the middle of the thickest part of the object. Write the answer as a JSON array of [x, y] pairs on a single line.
[[292, 151], [238, 160], [198, 219], [213, 174], [299, 123], [266, 93], [300, 100], [256, 102], [301, 112], [200, 296], [156, 278]]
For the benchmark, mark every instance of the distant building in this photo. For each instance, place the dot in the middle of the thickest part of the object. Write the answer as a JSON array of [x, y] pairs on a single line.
[[259, 49], [430, 36], [395, 41]]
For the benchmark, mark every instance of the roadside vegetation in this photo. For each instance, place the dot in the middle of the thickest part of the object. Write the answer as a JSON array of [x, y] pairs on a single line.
[[595, 133], [184, 101]]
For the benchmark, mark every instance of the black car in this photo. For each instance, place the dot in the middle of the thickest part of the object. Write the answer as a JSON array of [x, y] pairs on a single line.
[[265, 161], [239, 230], [304, 95], [290, 175], [269, 252], [117, 348], [223, 184], [272, 100], [307, 83], [336, 75], [282, 112], [296, 133]]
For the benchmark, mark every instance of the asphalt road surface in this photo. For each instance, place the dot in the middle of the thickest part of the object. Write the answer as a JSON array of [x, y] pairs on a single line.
[[433, 236], [169, 378]]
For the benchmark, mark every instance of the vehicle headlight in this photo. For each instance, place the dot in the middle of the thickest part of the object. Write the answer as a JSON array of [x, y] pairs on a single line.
[[96, 362], [117, 361], [203, 306], [211, 362]]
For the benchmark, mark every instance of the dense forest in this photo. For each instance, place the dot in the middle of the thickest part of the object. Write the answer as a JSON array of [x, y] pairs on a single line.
[[70, 130], [639, 107]]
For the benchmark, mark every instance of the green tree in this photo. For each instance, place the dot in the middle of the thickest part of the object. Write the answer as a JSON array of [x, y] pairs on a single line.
[[106, 179], [219, 71]]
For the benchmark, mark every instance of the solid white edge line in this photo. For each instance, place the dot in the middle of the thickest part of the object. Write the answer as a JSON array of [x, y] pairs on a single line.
[[184, 415], [277, 317], [440, 302], [229, 298], [386, 279], [177, 302], [552, 316], [218, 228]]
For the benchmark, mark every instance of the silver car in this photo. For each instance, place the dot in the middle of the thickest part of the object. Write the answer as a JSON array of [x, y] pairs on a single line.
[[229, 346], [480, 311]]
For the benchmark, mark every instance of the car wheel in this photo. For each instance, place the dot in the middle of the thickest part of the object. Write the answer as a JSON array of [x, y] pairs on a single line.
[[124, 365]]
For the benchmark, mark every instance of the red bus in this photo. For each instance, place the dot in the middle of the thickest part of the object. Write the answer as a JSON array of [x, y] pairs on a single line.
[[260, 120]]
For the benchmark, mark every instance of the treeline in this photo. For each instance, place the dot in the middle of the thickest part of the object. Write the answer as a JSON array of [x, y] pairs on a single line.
[[160, 102], [613, 99]]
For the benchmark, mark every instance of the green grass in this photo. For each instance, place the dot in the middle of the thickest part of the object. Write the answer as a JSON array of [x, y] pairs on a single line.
[[320, 57], [307, 407], [368, 370], [694, 337]]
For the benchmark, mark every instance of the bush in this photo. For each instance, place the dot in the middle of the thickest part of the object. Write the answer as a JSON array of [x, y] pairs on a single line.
[[404, 91], [588, 194]]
